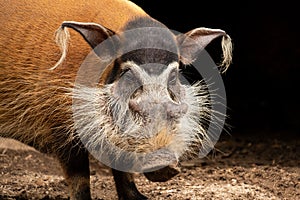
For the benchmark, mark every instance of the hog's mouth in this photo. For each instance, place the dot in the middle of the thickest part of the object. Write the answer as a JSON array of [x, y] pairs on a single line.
[[154, 157], [152, 137], [150, 142]]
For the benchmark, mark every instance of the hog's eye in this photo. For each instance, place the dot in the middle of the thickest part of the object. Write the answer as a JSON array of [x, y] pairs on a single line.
[[172, 78], [129, 77], [124, 71], [128, 83], [172, 81]]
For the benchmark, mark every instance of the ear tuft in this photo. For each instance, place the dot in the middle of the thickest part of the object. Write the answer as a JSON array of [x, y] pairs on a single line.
[[227, 52], [62, 37]]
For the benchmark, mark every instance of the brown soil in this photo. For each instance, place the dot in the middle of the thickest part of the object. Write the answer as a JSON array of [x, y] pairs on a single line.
[[241, 167]]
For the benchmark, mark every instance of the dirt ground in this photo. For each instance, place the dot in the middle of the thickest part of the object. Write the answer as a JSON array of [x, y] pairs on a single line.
[[245, 166]]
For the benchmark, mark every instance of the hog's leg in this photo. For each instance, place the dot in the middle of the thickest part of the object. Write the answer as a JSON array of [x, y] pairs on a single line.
[[75, 166], [126, 187]]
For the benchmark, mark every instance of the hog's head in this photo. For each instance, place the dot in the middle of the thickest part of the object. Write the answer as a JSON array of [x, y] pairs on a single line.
[[132, 109]]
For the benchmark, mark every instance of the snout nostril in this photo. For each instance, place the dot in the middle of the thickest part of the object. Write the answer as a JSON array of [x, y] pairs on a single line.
[[137, 92], [133, 106], [134, 101]]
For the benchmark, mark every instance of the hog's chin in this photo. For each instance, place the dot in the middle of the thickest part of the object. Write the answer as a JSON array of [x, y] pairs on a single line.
[[117, 138]]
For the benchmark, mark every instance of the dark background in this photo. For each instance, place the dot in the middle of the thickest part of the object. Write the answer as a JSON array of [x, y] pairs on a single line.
[[262, 84]]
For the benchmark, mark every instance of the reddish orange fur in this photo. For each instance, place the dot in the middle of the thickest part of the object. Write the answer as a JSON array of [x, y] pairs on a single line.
[[35, 101]]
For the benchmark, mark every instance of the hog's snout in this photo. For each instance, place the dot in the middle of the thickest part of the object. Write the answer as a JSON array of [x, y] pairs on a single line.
[[150, 109]]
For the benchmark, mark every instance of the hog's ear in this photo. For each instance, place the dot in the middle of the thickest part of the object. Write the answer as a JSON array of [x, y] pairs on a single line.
[[93, 34], [194, 41]]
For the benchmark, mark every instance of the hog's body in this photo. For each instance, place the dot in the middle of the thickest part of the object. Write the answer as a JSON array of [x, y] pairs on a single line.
[[36, 102], [29, 90]]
